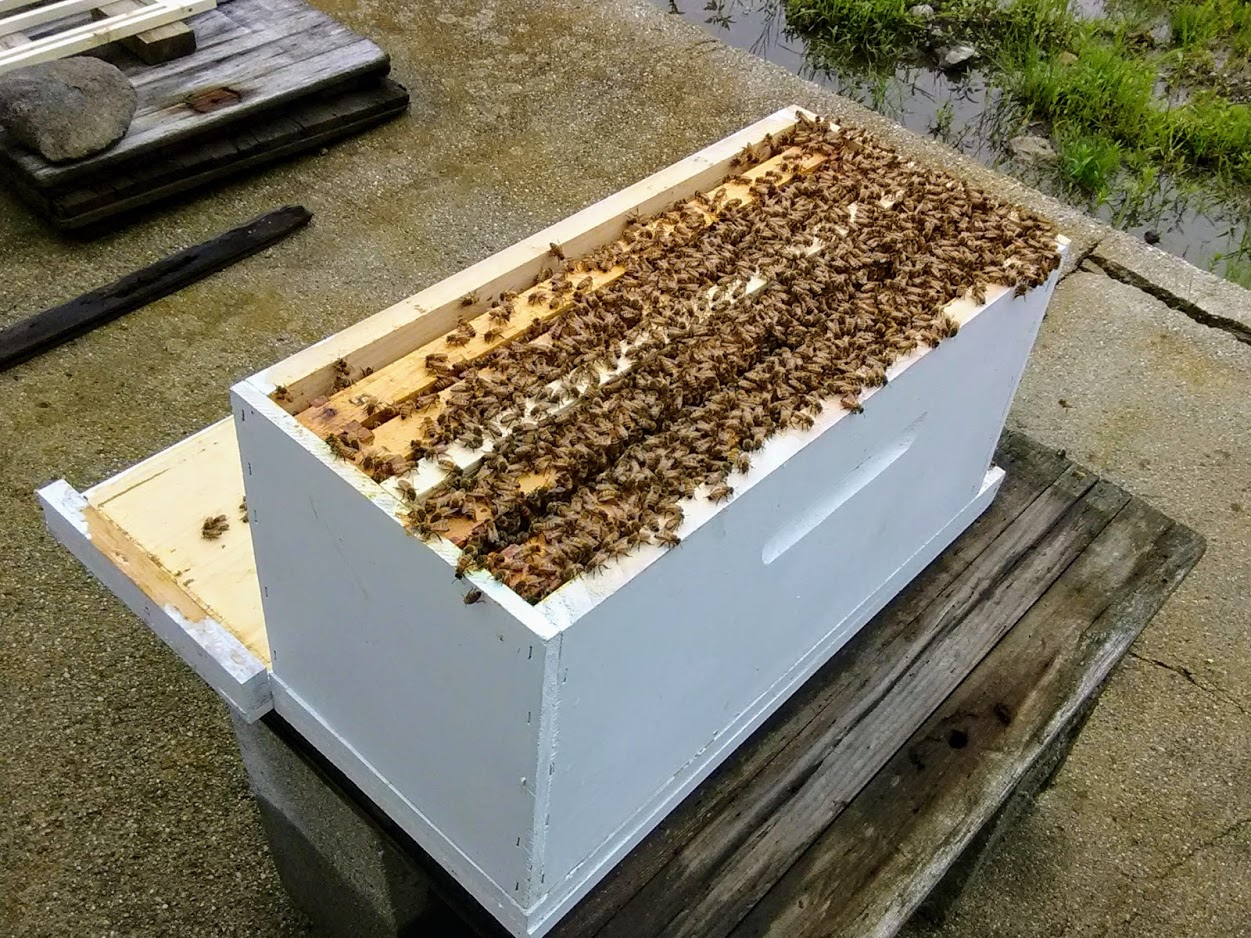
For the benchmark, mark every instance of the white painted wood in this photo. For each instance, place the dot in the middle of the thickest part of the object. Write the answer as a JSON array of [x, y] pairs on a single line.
[[88, 36], [44, 14], [679, 647], [652, 671], [380, 661], [417, 320], [215, 654], [7, 6]]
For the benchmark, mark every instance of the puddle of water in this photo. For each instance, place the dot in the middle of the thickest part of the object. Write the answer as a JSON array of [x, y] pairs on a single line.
[[971, 115]]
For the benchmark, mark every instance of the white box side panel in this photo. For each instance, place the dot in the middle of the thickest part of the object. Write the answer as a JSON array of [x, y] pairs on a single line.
[[659, 670], [565, 894], [439, 699], [216, 655]]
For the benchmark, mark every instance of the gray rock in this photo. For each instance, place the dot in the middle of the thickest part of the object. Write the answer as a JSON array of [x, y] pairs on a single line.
[[68, 109], [1030, 148], [922, 11], [956, 55]]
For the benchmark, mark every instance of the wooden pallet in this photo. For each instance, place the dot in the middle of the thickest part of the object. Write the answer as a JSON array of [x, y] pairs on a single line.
[[47, 32], [843, 812], [183, 168], [269, 78]]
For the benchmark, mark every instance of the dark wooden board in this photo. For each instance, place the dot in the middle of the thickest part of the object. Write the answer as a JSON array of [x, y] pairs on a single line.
[[164, 173], [842, 812], [52, 327], [725, 851], [867, 872], [270, 52]]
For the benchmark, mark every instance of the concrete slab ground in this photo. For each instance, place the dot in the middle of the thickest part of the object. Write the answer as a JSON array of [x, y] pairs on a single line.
[[125, 808]]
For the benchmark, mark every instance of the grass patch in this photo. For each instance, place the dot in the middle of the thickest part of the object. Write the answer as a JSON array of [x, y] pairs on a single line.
[[1090, 162], [869, 29], [1094, 82]]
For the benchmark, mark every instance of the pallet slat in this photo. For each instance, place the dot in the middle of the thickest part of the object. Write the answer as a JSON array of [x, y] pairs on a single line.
[[1021, 697], [89, 36]]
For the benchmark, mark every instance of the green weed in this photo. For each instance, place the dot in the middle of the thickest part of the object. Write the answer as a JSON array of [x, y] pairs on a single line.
[[1089, 161], [867, 28]]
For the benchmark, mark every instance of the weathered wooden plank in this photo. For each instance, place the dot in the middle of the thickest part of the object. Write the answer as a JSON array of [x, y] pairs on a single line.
[[182, 169], [270, 52], [153, 46], [35, 334], [728, 866], [657, 874], [870, 869]]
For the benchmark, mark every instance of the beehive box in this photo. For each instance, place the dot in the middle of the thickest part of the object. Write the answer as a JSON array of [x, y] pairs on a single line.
[[530, 553]]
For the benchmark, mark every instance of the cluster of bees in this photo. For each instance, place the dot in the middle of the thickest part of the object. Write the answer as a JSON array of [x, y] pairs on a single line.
[[732, 321]]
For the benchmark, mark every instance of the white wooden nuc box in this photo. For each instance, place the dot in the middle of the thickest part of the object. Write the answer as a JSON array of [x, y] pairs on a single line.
[[527, 747]]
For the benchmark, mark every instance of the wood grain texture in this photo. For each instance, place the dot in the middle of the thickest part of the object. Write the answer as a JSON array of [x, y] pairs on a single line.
[[42, 331], [270, 52], [160, 505], [738, 853], [287, 131], [867, 872]]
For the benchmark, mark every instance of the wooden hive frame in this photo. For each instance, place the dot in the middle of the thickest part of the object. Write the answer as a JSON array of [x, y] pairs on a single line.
[[525, 678]]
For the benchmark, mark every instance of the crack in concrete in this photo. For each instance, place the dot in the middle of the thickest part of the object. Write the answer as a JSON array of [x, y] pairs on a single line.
[[1185, 672], [1081, 259], [1240, 331], [1185, 858]]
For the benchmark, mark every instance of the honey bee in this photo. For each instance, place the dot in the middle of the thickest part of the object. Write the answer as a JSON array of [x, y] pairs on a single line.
[[214, 527], [341, 447], [281, 394], [469, 299], [556, 251]]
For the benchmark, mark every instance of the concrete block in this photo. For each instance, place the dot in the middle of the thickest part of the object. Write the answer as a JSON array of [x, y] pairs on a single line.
[[339, 867]]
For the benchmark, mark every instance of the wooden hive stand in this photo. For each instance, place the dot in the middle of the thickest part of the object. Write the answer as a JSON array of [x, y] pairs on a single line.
[[872, 795]]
